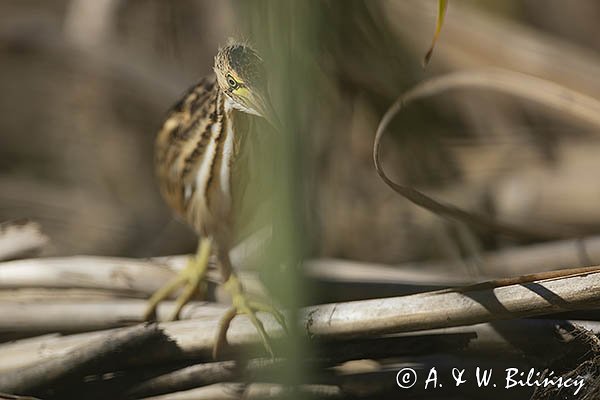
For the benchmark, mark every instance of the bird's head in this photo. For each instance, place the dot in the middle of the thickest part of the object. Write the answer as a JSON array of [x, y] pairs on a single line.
[[241, 75]]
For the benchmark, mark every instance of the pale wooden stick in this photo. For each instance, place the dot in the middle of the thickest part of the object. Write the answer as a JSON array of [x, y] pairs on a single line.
[[77, 361], [219, 391], [512, 261], [29, 318], [44, 295], [235, 391], [134, 278], [124, 277], [198, 375], [471, 305], [19, 239], [6, 396]]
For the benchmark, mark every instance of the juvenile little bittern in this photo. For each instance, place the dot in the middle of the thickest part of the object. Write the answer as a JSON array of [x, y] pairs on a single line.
[[197, 157]]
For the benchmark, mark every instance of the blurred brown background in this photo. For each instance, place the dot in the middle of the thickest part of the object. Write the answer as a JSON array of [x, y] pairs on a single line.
[[84, 85]]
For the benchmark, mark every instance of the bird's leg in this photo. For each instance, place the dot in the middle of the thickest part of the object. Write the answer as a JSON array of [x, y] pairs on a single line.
[[241, 304], [190, 277]]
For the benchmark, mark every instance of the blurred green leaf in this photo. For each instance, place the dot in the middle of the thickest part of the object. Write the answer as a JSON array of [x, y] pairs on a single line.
[[442, 6]]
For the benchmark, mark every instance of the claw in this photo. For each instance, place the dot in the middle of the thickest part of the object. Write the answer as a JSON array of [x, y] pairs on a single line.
[[191, 278], [241, 305]]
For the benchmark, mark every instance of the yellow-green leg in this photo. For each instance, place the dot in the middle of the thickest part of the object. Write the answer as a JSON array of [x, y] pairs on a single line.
[[241, 304], [190, 278]]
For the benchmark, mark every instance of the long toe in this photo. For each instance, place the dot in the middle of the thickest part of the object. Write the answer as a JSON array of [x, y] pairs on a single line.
[[190, 278], [162, 294], [241, 305]]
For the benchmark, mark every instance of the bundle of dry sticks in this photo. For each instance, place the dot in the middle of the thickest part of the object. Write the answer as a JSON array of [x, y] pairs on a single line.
[[72, 327]]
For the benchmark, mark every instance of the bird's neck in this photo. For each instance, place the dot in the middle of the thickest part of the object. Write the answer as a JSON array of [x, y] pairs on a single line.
[[229, 105]]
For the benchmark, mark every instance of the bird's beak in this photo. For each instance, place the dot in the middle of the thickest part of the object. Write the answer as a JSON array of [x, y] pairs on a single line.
[[267, 111]]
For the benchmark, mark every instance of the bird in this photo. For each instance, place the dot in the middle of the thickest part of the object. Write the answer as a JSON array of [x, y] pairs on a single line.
[[202, 177]]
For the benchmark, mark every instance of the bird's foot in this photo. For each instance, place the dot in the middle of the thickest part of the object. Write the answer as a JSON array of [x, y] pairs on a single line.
[[190, 278], [243, 305]]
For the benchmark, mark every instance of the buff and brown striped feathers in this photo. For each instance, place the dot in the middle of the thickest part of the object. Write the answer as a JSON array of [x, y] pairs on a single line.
[[198, 147]]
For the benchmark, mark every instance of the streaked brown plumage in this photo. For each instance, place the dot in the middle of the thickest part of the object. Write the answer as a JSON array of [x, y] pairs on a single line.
[[201, 177], [191, 142]]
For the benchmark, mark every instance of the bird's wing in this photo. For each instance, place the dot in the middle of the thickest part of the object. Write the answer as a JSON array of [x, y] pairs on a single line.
[[179, 143]]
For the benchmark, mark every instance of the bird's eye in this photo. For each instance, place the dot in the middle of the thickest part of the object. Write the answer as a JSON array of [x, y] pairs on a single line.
[[232, 82]]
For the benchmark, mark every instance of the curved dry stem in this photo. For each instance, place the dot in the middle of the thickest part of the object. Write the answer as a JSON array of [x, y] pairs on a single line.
[[559, 98]]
